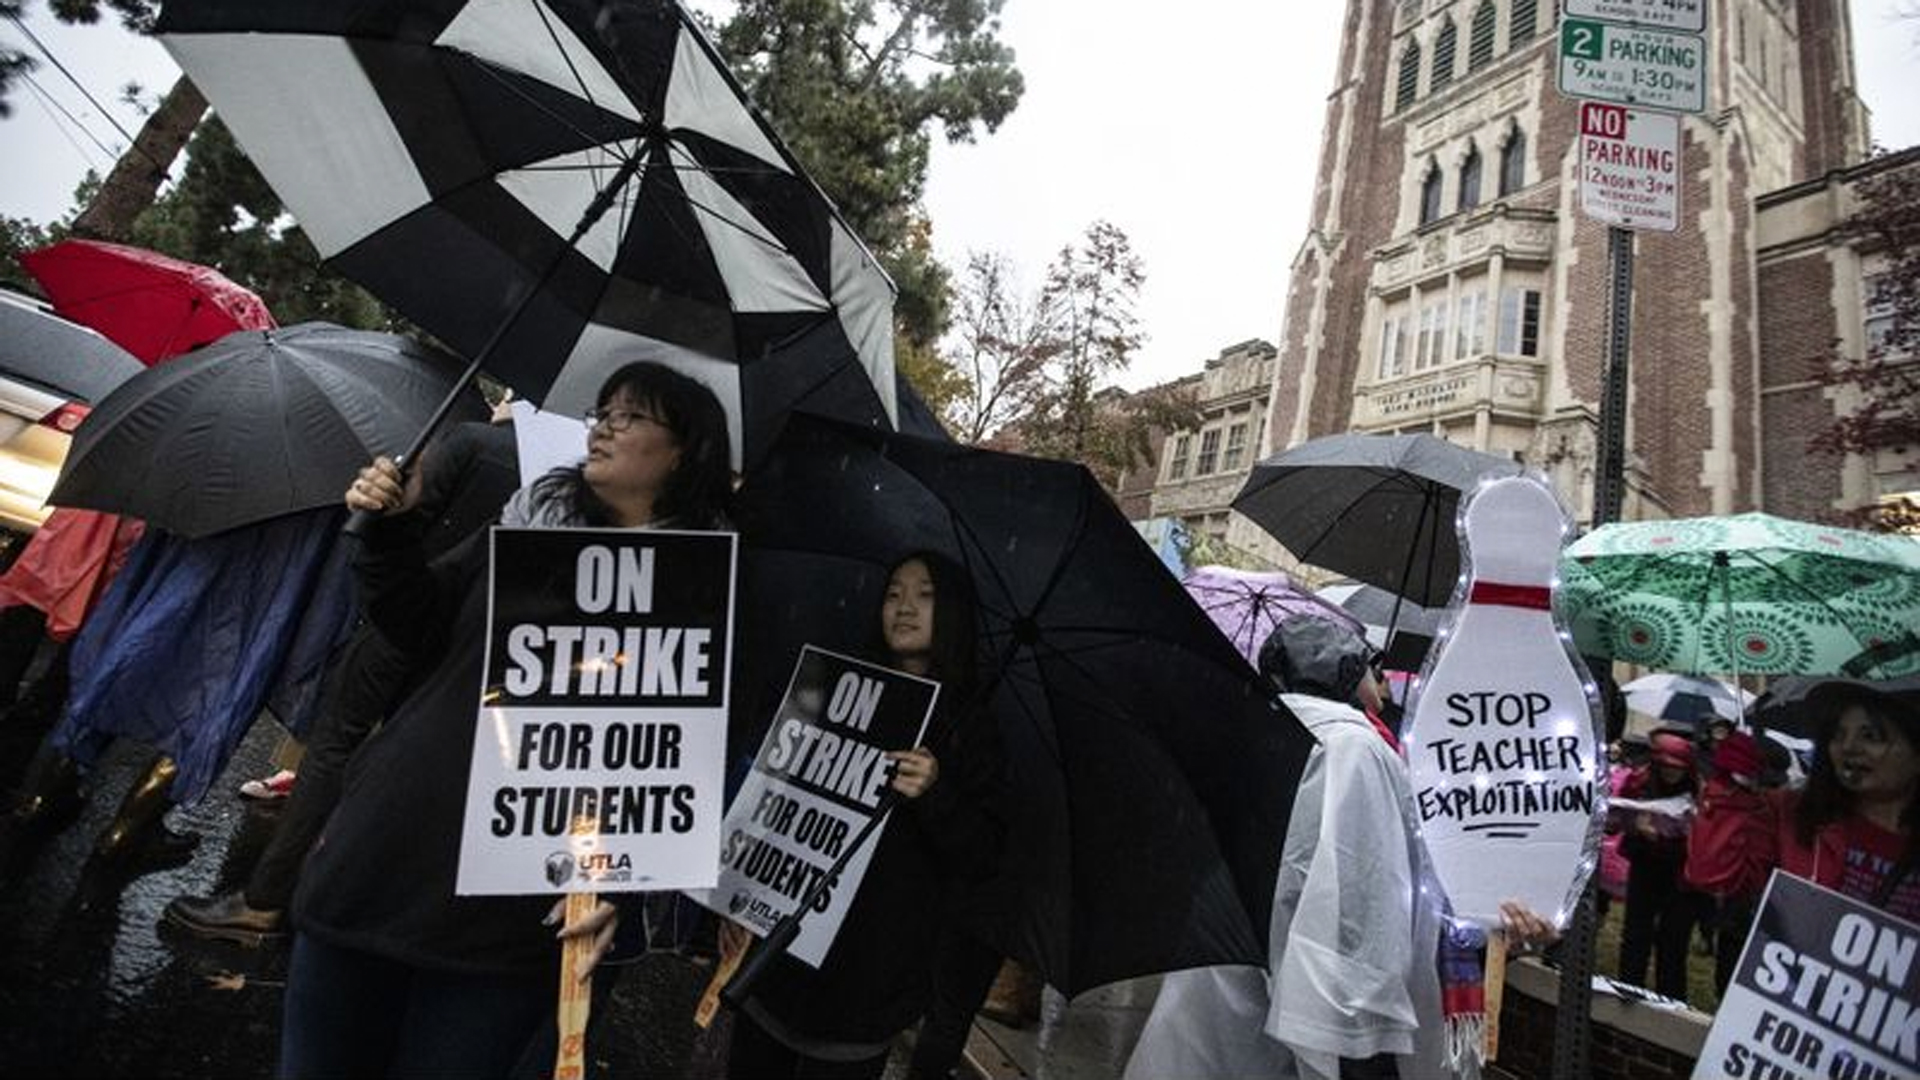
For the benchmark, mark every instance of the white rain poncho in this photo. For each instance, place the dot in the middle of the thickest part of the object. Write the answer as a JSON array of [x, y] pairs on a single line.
[[1352, 970]]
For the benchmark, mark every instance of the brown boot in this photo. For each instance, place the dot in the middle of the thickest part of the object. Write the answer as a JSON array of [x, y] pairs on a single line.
[[1015, 997], [140, 813]]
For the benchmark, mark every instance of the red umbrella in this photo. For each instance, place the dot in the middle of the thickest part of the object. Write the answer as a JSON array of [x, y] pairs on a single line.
[[153, 306]]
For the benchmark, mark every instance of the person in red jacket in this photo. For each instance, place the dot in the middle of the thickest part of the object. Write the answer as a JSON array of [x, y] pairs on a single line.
[[1661, 911], [1854, 828]]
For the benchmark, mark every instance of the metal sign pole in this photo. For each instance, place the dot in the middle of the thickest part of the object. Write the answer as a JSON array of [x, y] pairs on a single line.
[[1574, 1015], [1609, 475]]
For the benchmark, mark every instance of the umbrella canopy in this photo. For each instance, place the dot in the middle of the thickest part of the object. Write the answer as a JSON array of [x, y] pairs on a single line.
[[1377, 508], [52, 355], [445, 156], [154, 306], [1246, 605], [1747, 594], [1152, 776], [1402, 631], [259, 424], [1785, 706], [1686, 699]]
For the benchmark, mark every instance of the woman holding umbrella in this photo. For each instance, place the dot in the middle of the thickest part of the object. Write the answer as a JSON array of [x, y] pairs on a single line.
[[839, 1020], [1854, 828], [392, 974]]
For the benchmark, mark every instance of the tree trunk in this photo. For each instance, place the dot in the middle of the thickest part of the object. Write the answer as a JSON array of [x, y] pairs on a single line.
[[136, 178]]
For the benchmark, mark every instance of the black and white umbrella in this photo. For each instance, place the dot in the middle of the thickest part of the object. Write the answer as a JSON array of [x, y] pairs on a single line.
[[447, 156], [1686, 699]]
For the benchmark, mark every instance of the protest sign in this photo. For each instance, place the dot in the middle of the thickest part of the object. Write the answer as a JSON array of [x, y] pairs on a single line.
[[600, 756], [819, 778], [1827, 987], [1502, 747]]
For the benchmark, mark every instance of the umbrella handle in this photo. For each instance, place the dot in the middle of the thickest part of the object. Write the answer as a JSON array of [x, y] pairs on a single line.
[[780, 938]]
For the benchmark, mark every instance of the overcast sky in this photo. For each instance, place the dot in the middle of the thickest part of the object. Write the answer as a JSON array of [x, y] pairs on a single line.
[[1195, 127]]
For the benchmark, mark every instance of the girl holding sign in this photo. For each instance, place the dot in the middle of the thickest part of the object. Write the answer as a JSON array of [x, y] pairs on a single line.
[[1855, 827], [840, 1020], [392, 973]]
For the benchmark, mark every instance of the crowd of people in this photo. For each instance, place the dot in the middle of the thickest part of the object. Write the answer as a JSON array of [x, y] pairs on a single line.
[[1703, 816], [395, 974]]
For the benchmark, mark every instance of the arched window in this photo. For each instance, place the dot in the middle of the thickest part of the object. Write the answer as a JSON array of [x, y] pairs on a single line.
[[1513, 162], [1430, 194], [1480, 37], [1444, 45], [1409, 84], [1470, 179], [1522, 23]]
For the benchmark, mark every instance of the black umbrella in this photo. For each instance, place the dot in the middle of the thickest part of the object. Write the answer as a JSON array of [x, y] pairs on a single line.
[[554, 188], [1402, 632], [1152, 776], [1786, 706], [45, 352], [1378, 508], [256, 425]]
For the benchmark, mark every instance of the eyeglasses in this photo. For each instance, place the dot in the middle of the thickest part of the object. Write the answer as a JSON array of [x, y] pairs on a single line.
[[618, 420]]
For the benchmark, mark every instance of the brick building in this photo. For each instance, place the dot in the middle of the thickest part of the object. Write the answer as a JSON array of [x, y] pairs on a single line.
[[1449, 283], [1202, 469]]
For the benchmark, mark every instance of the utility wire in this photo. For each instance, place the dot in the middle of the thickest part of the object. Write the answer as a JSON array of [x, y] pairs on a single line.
[[57, 110], [21, 25]]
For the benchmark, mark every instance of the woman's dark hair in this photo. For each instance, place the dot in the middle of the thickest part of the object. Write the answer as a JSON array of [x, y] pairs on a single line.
[[952, 658], [697, 492], [1825, 801]]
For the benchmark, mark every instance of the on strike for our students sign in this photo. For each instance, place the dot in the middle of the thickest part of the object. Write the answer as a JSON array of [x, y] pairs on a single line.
[[1826, 988], [601, 753], [820, 776]]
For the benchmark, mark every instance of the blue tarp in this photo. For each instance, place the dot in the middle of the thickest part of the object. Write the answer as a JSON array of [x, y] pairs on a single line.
[[194, 637]]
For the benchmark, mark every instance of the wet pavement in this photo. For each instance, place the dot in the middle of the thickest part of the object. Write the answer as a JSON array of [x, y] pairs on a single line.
[[1089, 1038], [93, 985]]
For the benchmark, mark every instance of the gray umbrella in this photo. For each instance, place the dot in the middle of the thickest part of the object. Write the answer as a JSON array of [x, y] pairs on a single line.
[[46, 352], [256, 425], [1378, 508]]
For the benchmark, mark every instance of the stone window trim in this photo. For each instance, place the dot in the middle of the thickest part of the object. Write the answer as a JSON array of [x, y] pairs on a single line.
[[1206, 461], [1407, 86], [1446, 46], [1513, 161], [1177, 460], [1432, 183], [1236, 449], [1480, 34], [1468, 195]]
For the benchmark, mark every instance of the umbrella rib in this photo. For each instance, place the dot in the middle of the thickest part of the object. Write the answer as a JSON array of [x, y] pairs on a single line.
[[546, 21], [494, 73], [720, 217], [1801, 587]]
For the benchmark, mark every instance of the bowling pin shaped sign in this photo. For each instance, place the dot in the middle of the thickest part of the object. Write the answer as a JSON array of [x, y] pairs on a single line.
[[1502, 750]]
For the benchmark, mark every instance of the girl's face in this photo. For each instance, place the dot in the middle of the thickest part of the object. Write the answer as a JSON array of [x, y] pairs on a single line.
[[630, 451], [1872, 758], [906, 614]]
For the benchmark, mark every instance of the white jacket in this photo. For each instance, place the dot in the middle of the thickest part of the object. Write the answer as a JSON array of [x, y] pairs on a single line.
[[1352, 967]]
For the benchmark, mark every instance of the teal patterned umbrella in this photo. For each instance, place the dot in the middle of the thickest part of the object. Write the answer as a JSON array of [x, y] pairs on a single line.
[[1745, 595]]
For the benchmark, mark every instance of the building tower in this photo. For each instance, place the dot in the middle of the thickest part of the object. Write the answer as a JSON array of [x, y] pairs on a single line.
[[1449, 283]]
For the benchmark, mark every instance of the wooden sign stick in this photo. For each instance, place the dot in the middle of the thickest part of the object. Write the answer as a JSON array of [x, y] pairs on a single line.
[[576, 994], [733, 949], [1496, 988]]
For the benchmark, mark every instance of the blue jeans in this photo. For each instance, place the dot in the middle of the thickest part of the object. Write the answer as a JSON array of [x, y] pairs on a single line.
[[350, 1013]]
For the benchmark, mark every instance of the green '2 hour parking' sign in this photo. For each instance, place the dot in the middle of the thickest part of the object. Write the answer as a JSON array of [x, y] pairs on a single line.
[[1633, 65]]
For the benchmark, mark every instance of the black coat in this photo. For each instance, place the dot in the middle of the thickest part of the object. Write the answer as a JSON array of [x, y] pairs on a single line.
[[877, 977]]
